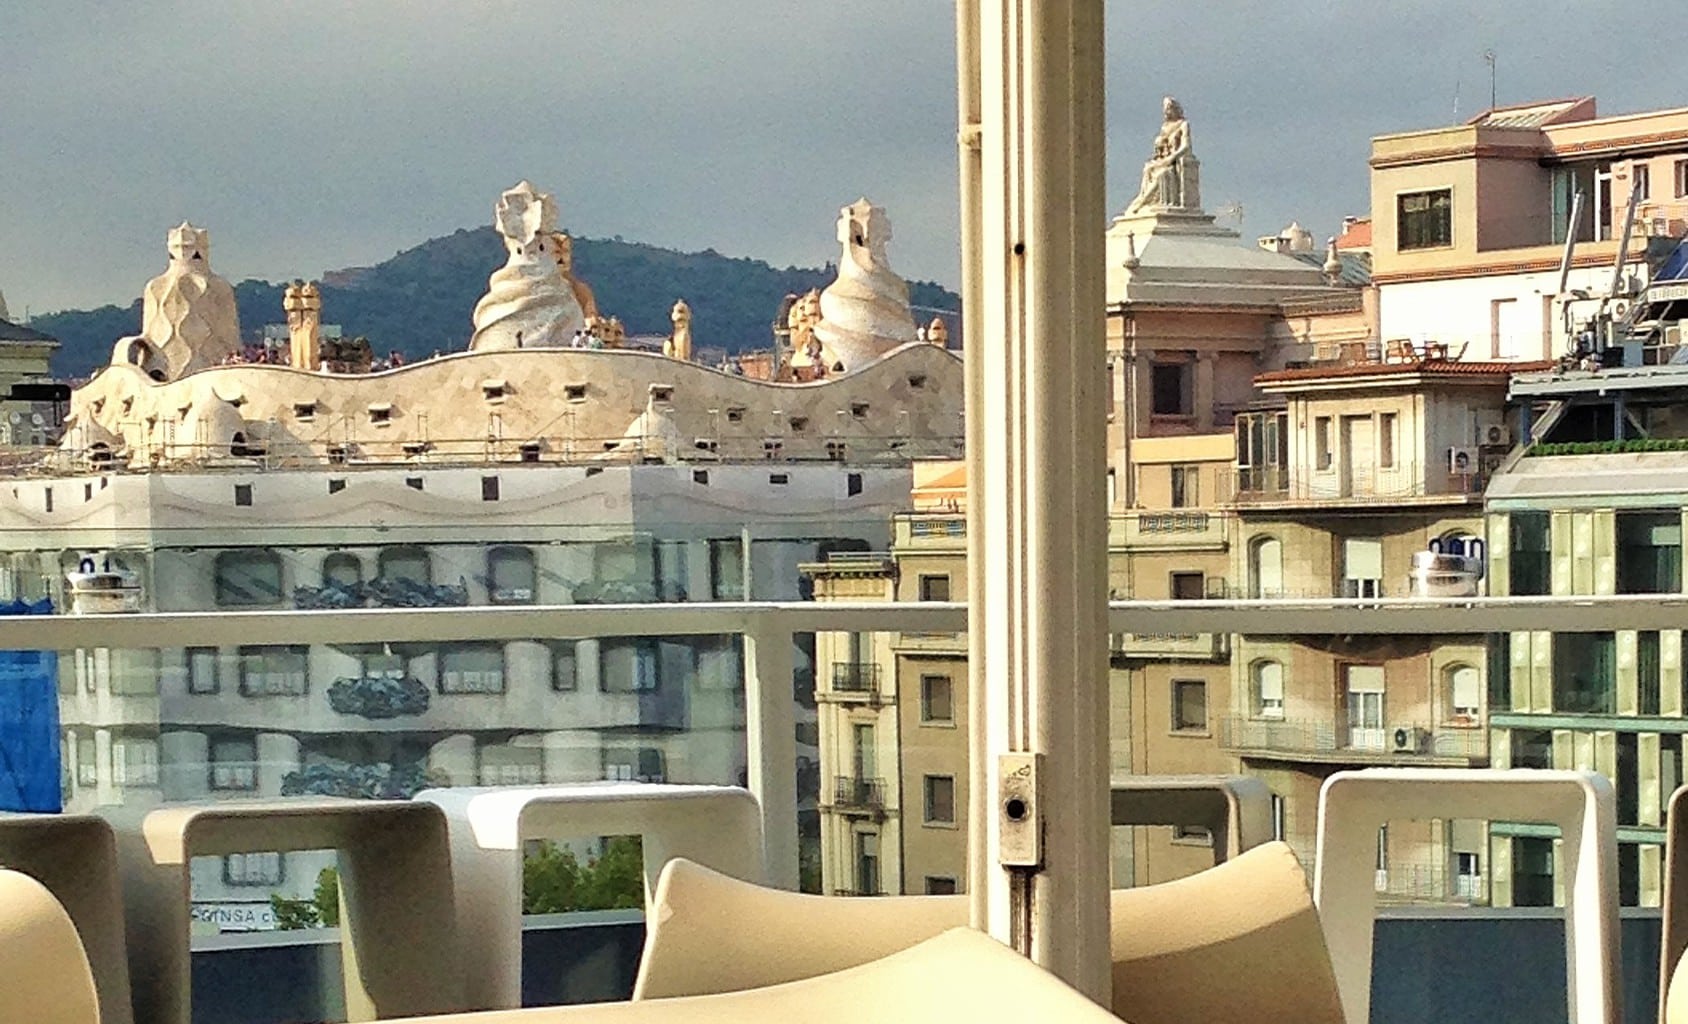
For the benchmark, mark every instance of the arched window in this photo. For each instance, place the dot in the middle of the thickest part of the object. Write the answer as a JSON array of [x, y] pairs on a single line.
[[405, 563], [1266, 568], [1464, 686], [1267, 683], [342, 569], [250, 576], [511, 577]]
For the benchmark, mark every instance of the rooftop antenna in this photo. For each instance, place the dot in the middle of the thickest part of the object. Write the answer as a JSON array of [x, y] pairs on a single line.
[[1490, 59]]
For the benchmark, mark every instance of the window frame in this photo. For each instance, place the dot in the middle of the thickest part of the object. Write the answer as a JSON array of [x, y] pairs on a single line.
[[927, 582], [1176, 689], [930, 789], [1463, 715], [245, 880], [926, 714], [1158, 388], [479, 689], [1257, 690], [248, 654], [502, 556], [225, 594], [1437, 231]]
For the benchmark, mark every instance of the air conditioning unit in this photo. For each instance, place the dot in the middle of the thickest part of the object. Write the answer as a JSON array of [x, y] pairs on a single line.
[[1463, 460], [1493, 434], [1407, 739]]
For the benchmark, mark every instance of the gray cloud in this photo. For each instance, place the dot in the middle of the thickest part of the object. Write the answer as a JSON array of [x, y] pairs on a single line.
[[314, 135]]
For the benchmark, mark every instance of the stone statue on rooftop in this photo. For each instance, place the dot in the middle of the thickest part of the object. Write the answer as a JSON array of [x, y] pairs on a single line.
[[564, 246], [1172, 175], [679, 344], [303, 305], [530, 302], [865, 312], [937, 332], [188, 317]]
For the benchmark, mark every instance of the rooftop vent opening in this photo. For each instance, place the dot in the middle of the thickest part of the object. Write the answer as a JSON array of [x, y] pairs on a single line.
[[799, 424], [594, 470], [853, 484], [707, 444], [494, 390], [735, 414], [700, 476], [336, 484], [610, 446], [380, 413], [835, 450], [917, 381], [243, 494], [415, 448], [304, 411], [574, 392], [530, 451], [413, 482], [338, 454], [858, 410], [489, 488], [779, 479], [662, 392], [772, 447]]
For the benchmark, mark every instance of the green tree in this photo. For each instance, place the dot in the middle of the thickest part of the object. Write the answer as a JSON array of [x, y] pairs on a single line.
[[326, 897], [616, 880], [550, 880], [292, 915]]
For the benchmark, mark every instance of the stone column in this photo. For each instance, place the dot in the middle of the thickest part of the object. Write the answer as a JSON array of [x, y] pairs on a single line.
[[278, 754], [454, 757], [184, 765]]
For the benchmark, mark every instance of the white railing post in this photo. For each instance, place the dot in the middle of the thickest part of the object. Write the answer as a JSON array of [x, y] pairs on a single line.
[[770, 725], [1037, 515]]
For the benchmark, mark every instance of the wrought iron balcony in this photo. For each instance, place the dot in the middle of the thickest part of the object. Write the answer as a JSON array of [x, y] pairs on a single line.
[[858, 680], [1332, 741], [850, 793]]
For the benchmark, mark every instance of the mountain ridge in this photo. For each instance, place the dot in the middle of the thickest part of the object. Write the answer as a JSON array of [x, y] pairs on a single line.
[[420, 300]]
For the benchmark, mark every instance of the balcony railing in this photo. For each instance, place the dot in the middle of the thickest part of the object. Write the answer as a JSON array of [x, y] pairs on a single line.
[[850, 793], [1337, 741], [1334, 485], [1174, 529], [1202, 646], [859, 679]]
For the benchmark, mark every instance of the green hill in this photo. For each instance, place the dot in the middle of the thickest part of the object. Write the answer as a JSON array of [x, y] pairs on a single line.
[[421, 299]]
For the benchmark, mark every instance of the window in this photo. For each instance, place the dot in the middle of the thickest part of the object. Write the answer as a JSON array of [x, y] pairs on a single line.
[[940, 800], [867, 863], [1266, 568], [472, 668], [565, 672], [1189, 705], [253, 869], [1649, 552], [380, 415], [1648, 672], [1468, 876], [1187, 586], [1192, 835], [940, 885], [1465, 687], [1362, 567], [405, 563], [87, 761], [1386, 440], [629, 665], [852, 484], [202, 670], [1321, 443], [1268, 680], [936, 699], [134, 761], [726, 570], [234, 765], [512, 765], [274, 671], [1186, 490], [1641, 181], [1532, 872], [628, 764], [1366, 729], [1585, 673], [511, 576], [489, 488], [1681, 173], [248, 578], [342, 569], [1424, 220], [1170, 389], [934, 588], [1530, 566], [1532, 748], [243, 494]]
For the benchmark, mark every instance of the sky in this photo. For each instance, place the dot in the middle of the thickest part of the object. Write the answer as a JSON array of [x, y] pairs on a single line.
[[314, 135]]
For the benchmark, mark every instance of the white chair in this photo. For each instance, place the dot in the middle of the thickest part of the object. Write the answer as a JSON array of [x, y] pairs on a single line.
[[1354, 805], [720, 826]]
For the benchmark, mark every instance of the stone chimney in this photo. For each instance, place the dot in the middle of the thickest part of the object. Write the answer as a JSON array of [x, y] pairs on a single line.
[[303, 304]]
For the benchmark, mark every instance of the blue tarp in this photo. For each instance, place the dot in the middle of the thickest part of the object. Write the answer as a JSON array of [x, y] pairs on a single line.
[[29, 723]]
